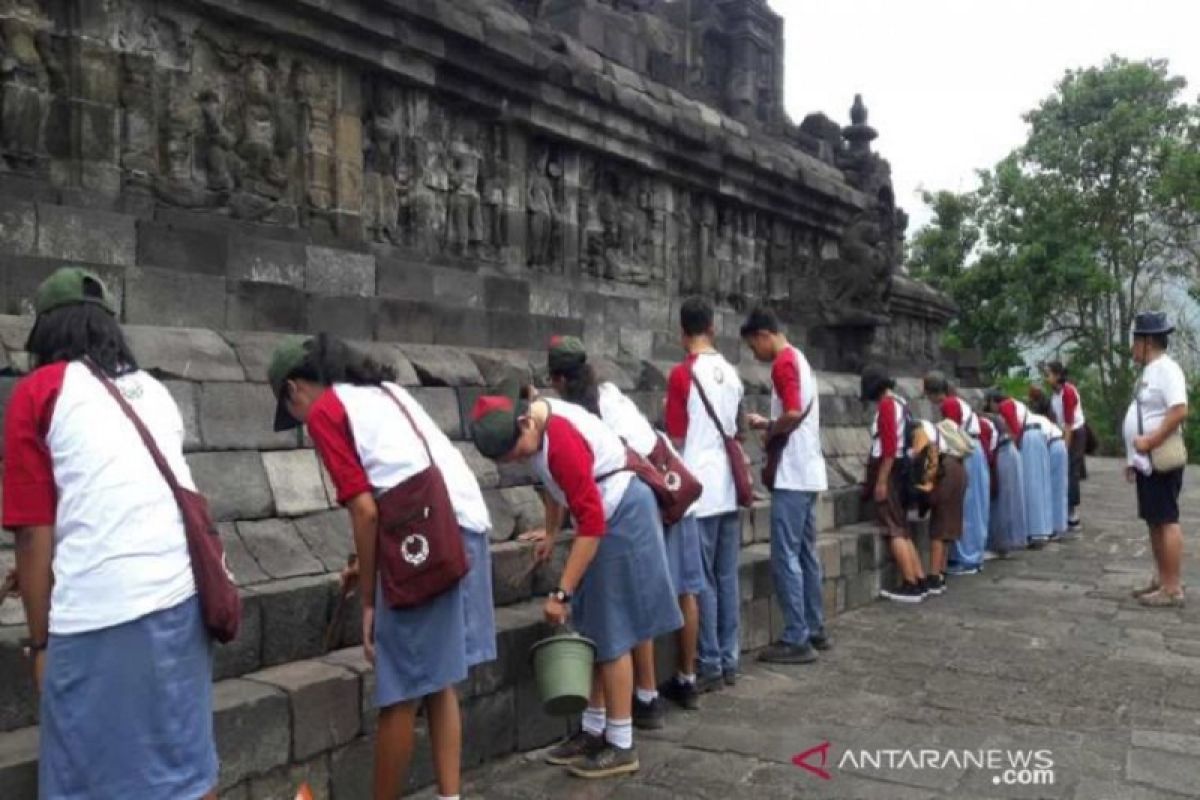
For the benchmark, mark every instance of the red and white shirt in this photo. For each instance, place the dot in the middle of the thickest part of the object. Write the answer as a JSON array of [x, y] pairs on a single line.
[[367, 445], [988, 437], [1068, 409], [887, 429], [73, 460], [794, 388], [703, 448], [960, 411], [577, 448], [1016, 417]]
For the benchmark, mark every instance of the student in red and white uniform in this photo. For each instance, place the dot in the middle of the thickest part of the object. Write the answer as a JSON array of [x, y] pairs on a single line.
[[615, 586], [349, 405], [575, 381], [966, 554], [692, 431], [793, 432], [120, 653], [1030, 440], [1068, 413]]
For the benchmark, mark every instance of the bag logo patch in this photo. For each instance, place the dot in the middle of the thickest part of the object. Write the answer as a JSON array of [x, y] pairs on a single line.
[[415, 549], [673, 481]]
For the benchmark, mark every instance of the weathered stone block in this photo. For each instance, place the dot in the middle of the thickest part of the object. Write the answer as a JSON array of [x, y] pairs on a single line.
[[246, 570], [339, 272], [184, 394], [390, 356], [295, 613], [243, 654], [536, 728], [295, 482], [404, 320], [549, 302], [512, 330], [862, 588], [404, 279], [491, 719], [281, 783], [239, 416], [252, 727], [458, 289], [262, 260], [19, 764], [235, 484], [185, 249], [254, 351], [441, 403], [345, 317], [512, 572], [443, 366], [498, 366], [829, 552], [255, 306], [18, 696], [635, 343], [18, 227], [195, 355], [504, 522], [328, 536], [506, 294], [353, 659], [755, 628], [485, 470], [608, 369], [278, 548], [351, 769], [324, 702], [526, 506], [87, 235]]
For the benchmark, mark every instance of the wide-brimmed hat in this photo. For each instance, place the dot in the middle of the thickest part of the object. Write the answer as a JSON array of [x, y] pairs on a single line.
[[71, 286], [1151, 323], [288, 356]]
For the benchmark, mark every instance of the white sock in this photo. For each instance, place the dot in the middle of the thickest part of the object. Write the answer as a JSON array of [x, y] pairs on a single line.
[[646, 695], [620, 733], [449, 796], [593, 721], [686, 677]]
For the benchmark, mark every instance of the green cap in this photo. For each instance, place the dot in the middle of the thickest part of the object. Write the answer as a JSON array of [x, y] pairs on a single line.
[[565, 352], [70, 286], [494, 422], [289, 355]]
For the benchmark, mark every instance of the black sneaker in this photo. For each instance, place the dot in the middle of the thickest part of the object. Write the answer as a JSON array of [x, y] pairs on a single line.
[[648, 716], [575, 748], [709, 683], [730, 676], [935, 585], [785, 653], [607, 762], [905, 593], [820, 642], [681, 693]]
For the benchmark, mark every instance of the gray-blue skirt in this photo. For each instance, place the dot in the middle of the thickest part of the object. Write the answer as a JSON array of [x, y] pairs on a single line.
[[626, 594], [1057, 486], [477, 599], [1007, 529], [1035, 461], [684, 559], [126, 711]]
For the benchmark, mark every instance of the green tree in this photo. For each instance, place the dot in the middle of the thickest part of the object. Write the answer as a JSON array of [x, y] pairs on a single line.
[[1091, 220]]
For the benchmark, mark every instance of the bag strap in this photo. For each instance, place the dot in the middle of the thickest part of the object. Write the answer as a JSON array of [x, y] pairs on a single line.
[[412, 423], [147, 439], [712, 412]]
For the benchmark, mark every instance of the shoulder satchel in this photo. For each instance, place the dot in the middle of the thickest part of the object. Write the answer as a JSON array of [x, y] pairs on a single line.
[[420, 551], [220, 603], [777, 444], [1169, 456], [738, 465]]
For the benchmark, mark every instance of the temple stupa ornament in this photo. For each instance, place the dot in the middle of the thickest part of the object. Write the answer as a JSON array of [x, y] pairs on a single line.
[[858, 134]]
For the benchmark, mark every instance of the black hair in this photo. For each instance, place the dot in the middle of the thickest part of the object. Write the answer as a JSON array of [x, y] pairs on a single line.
[[875, 381], [329, 360], [696, 316], [936, 383], [1160, 340], [579, 385], [760, 319], [1057, 369], [83, 330], [994, 395]]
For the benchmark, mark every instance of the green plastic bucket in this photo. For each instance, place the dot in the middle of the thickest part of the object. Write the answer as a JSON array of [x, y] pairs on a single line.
[[562, 666]]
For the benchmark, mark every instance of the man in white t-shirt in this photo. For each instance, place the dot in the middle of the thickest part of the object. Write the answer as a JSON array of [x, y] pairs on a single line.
[[793, 445], [1155, 416], [694, 432]]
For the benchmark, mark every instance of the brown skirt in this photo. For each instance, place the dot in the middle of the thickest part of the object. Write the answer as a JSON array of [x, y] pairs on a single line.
[[946, 501], [890, 514]]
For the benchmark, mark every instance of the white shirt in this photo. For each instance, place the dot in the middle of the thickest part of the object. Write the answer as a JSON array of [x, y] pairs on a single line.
[[120, 552], [1045, 425], [1161, 387], [802, 464], [703, 448], [626, 419]]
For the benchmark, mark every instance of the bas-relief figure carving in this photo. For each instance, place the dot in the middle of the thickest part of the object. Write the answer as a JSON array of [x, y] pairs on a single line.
[[464, 228], [541, 208], [386, 168], [27, 66]]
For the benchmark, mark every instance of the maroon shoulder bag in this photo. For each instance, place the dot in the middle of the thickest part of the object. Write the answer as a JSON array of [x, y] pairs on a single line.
[[775, 447], [220, 603], [680, 487], [420, 551], [742, 482]]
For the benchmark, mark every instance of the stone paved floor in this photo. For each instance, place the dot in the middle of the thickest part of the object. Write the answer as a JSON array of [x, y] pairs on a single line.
[[1044, 651]]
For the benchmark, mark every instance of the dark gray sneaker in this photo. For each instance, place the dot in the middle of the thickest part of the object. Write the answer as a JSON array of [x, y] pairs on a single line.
[[821, 641], [607, 762], [648, 716], [730, 676], [708, 683], [785, 653], [681, 693], [576, 748]]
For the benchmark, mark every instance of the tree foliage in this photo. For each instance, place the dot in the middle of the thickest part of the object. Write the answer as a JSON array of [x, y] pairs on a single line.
[[1095, 218]]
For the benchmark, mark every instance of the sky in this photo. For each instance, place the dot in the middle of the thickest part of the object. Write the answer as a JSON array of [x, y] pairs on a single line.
[[946, 81]]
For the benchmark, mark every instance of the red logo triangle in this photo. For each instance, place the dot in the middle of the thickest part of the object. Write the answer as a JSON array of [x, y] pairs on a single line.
[[801, 760]]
